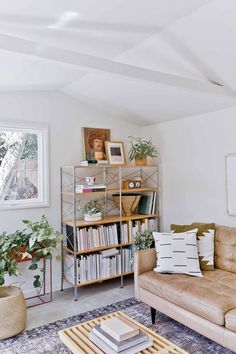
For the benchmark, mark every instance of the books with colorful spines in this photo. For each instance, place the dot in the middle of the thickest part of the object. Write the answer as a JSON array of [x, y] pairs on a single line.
[[119, 329], [108, 350]]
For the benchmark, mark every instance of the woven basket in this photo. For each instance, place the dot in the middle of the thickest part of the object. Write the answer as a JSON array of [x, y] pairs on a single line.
[[12, 311]]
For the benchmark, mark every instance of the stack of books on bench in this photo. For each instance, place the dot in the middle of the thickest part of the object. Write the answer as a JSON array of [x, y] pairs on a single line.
[[119, 335]]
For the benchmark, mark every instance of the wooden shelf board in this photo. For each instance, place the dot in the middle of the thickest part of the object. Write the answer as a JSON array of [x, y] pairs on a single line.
[[110, 219], [113, 191], [97, 280], [110, 166], [102, 248]]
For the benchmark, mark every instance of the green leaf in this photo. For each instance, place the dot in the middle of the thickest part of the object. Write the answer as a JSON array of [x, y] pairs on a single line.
[[36, 259], [33, 266], [2, 281]]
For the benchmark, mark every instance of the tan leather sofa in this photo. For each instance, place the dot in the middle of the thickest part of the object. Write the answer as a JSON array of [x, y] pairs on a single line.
[[208, 304]]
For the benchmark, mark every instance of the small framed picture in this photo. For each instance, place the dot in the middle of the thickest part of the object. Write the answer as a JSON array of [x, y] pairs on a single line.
[[115, 152]]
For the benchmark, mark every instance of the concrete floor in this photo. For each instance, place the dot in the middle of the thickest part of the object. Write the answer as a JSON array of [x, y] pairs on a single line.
[[90, 298]]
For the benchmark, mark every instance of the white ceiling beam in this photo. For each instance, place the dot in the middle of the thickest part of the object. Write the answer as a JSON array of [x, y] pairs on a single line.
[[44, 51]]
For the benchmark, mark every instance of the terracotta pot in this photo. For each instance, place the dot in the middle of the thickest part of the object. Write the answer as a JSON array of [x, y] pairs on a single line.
[[19, 259], [141, 162], [129, 203], [12, 311]]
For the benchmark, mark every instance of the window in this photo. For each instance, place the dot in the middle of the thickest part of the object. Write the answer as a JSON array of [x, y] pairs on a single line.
[[23, 165]]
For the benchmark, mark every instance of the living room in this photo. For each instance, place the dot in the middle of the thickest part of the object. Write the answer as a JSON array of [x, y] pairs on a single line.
[[129, 75]]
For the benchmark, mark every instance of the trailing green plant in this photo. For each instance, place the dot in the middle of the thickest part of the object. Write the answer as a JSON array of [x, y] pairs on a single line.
[[9, 246], [91, 207], [141, 148], [143, 240], [38, 240]]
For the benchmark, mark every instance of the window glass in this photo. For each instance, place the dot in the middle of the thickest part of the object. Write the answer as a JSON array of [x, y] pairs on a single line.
[[23, 175]]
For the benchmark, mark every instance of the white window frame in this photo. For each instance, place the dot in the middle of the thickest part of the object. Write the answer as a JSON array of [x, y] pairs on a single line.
[[43, 165]]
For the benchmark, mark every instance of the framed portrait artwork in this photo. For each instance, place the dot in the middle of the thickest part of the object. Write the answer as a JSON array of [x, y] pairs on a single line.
[[115, 152], [94, 143]]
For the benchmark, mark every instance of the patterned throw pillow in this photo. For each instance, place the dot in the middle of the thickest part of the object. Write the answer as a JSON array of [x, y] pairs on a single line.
[[205, 241], [177, 253]]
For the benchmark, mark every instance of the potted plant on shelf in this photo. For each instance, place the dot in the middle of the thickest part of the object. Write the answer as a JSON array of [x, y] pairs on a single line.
[[92, 210], [140, 149], [143, 240]]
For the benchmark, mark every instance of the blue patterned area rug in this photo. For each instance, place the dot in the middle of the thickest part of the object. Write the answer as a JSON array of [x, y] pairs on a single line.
[[44, 340]]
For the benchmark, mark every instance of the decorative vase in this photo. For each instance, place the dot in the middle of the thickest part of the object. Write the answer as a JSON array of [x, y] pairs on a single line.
[[12, 311], [93, 217], [129, 203], [141, 162]]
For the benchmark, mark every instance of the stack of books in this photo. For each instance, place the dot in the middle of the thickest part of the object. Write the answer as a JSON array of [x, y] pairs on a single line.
[[119, 335], [84, 188], [94, 162]]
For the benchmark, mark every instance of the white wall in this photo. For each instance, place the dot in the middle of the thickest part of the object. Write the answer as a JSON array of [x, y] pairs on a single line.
[[65, 116], [192, 163]]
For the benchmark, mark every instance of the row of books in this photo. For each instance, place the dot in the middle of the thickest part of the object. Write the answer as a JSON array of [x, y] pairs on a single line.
[[119, 335], [142, 225], [107, 235], [101, 236], [99, 265]]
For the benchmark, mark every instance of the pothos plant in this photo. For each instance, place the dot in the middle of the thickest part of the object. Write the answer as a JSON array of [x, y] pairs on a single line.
[[36, 241]]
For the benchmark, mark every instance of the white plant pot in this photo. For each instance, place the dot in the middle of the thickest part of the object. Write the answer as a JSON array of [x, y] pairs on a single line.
[[93, 217]]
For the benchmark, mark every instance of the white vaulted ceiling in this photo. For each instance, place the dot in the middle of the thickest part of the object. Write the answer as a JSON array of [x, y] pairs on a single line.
[[146, 61]]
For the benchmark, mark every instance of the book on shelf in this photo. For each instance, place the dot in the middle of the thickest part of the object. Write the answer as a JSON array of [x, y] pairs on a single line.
[[110, 252], [84, 188], [94, 163], [108, 350], [119, 329], [145, 204], [102, 162], [154, 203], [88, 162], [118, 346]]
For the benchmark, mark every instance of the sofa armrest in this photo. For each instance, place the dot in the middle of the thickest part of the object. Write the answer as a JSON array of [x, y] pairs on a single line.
[[144, 261]]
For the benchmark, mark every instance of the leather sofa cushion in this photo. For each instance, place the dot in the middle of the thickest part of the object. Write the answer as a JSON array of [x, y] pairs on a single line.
[[230, 320], [210, 297], [226, 279], [225, 248]]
